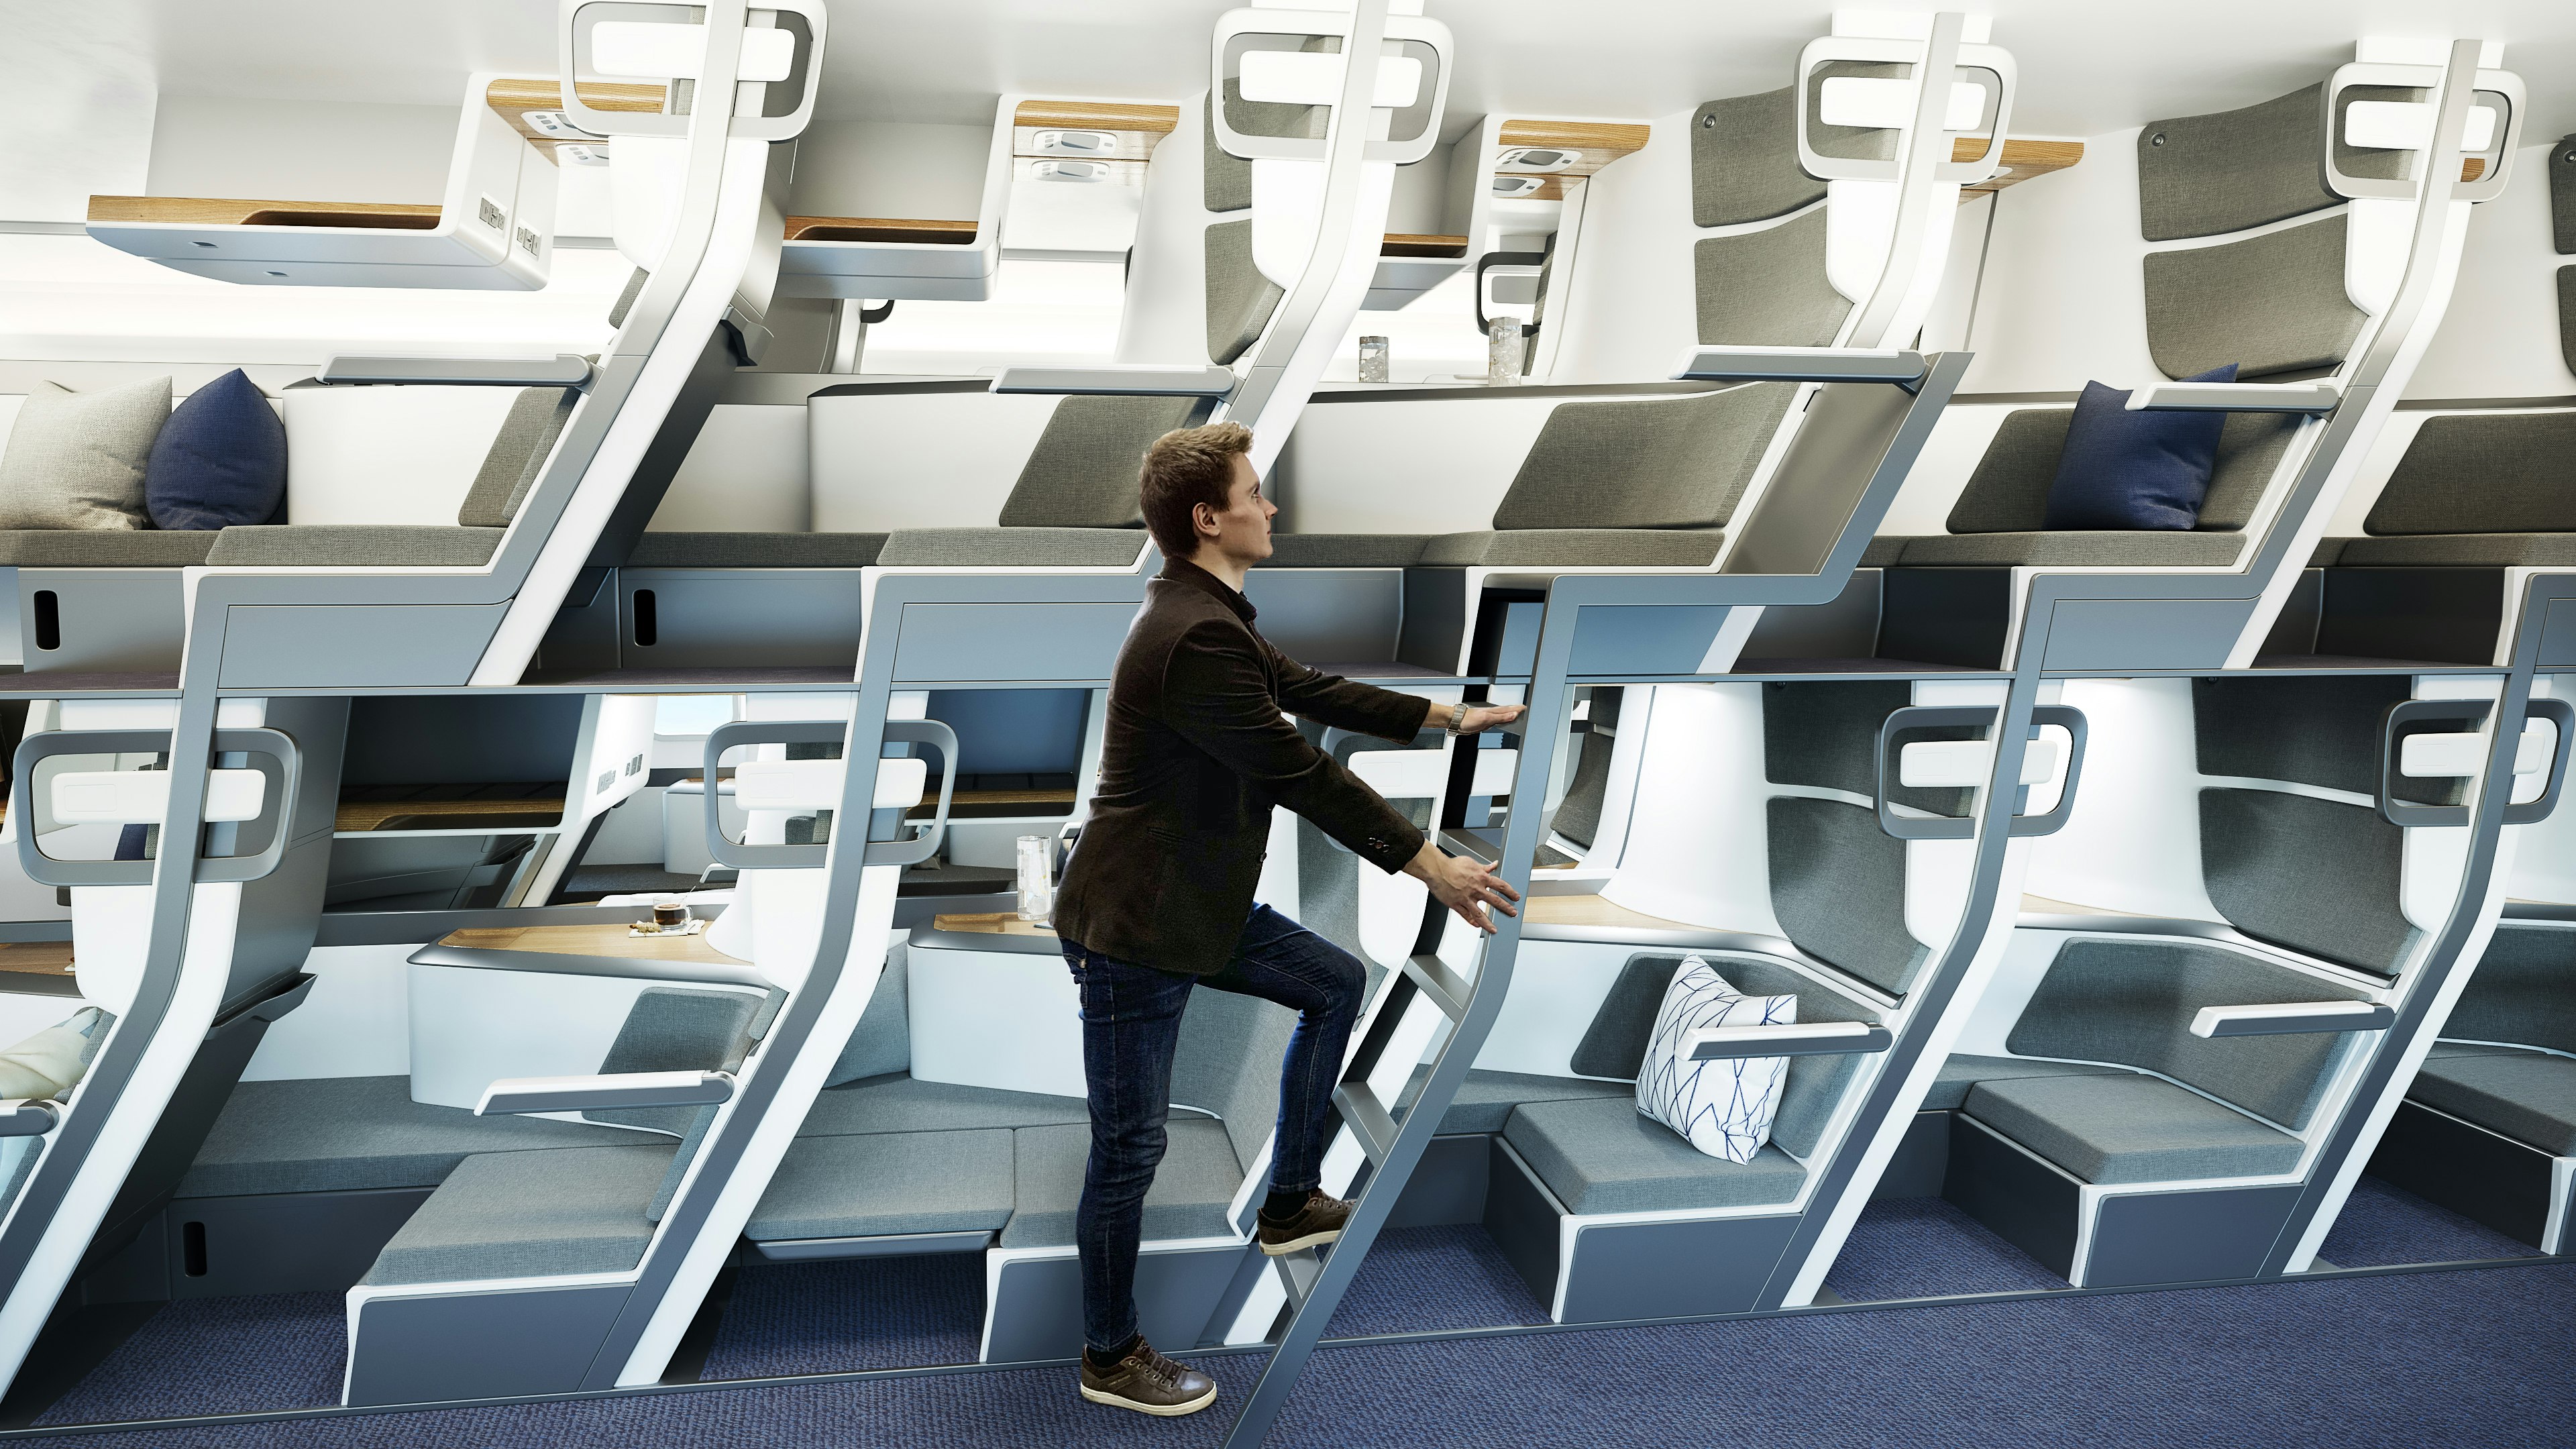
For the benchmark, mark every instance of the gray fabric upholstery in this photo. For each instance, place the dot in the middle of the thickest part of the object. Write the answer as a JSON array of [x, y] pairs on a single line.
[[1958, 1074], [1615, 1044], [1486, 1099], [106, 548], [1826, 735], [518, 454], [1768, 288], [1085, 470], [353, 545], [75, 460], [1598, 1156], [755, 550], [1576, 548], [2524, 991], [882, 1041], [891, 1182], [2223, 172], [2309, 874], [626, 296], [2008, 492], [1225, 180], [2327, 551], [1883, 552], [1578, 817], [898, 1103], [2250, 446], [2321, 731], [336, 1134], [2090, 548], [1838, 887], [1192, 1187], [2270, 304], [1239, 299], [2132, 1002], [2527, 1096], [671, 1029], [1744, 160], [1014, 547], [2482, 473], [1344, 550], [1227, 1062], [529, 1214], [2130, 1128], [1680, 464], [2562, 195], [2567, 316], [2461, 550]]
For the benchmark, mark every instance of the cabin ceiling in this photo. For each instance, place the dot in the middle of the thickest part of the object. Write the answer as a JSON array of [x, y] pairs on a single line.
[[2088, 66]]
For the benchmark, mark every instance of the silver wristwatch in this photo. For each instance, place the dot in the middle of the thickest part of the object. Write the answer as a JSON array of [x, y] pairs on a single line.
[[1458, 719]]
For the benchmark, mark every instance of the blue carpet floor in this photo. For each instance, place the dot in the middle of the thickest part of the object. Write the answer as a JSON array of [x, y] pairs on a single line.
[[1922, 1247], [877, 1313], [2383, 1226], [219, 1356], [2460, 1359], [1420, 1280]]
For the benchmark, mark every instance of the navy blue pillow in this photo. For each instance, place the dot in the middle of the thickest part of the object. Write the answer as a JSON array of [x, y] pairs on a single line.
[[220, 460], [2134, 470]]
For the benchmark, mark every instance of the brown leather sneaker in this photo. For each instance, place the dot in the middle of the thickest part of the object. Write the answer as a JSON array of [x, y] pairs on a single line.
[[1319, 1222], [1148, 1383]]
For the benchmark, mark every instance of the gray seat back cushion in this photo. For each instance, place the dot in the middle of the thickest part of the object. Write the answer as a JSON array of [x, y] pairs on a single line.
[[1744, 160], [675, 1030], [2230, 170], [1239, 299], [2008, 492], [1838, 889], [1615, 1044], [882, 1041], [1225, 180], [1085, 470], [626, 296], [1679, 465], [518, 453], [2270, 304], [1578, 817], [1825, 736], [2524, 991], [76, 459], [1227, 1062], [2322, 731], [2316, 876], [2482, 473], [1768, 288], [2132, 1002]]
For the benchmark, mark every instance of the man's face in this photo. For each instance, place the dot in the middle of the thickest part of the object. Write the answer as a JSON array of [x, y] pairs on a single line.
[[1242, 531]]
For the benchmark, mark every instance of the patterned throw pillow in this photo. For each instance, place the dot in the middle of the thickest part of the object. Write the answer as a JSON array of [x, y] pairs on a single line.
[[1724, 1107]]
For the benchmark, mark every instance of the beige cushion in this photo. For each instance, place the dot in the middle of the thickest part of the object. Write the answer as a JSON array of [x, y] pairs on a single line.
[[52, 1062], [76, 459]]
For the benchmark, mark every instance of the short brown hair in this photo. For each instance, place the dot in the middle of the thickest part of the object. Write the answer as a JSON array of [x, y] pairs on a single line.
[[1184, 468]]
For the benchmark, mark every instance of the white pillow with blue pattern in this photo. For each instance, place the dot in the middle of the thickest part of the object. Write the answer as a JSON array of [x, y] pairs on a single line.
[[1723, 1107]]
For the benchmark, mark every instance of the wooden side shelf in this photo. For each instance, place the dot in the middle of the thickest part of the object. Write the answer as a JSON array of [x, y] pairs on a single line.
[[512, 99], [2022, 160], [1411, 244], [1099, 116], [992, 923], [1592, 910], [211, 211], [523, 814], [879, 229], [602, 940]]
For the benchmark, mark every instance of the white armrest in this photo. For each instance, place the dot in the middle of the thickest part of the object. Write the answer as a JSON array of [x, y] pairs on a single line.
[[1934, 764], [1788, 1039], [142, 797], [816, 784], [1800, 364], [561, 370], [1120, 379], [2234, 397], [2457, 754], [2291, 1018], [1420, 774], [590, 1094]]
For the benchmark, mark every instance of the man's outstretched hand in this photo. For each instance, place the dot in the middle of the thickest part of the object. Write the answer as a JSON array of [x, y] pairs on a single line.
[[1480, 717], [1463, 885]]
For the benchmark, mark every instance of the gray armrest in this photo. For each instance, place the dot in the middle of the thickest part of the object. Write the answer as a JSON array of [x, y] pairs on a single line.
[[2234, 397], [591, 1094], [2291, 1018], [1790, 1039], [1119, 380], [562, 370], [1802, 364], [29, 1116]]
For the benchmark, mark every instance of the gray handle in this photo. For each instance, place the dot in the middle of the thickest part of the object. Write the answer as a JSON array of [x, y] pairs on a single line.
[[1902, 722], [276, 800], [2418, 717]]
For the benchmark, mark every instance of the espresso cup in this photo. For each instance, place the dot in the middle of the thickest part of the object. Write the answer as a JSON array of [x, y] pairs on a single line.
[[670, 915]]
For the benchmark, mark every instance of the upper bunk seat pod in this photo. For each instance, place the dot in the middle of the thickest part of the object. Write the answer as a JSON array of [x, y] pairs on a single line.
[[2322, 319]]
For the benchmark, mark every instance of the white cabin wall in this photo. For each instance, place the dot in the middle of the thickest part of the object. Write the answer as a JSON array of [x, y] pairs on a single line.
[[903, 169], [301, 150], [1631, 314], [77, 96], [745, 474], [2064, 300]]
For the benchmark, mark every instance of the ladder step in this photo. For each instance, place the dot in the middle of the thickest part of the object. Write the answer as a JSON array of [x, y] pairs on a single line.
[[1447, 989], [1368, 1120], [1297, 1275]]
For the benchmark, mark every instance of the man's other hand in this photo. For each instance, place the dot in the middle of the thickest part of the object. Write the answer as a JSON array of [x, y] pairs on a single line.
[[1465, 886], [1483, 717]]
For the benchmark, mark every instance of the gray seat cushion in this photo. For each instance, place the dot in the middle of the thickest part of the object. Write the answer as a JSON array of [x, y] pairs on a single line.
[[2152, 547], [1344, 550], [2130, 1128], [106, 548], [1014, 547], [1598, 1156], [1883, 552], [530, 1214], [891, 1182], [354, 545], [2527, 1096], [1486, 1099], [755, 550], [2454, 550], [333, 1134], [1576, 548], [897, 1103], [1958, 1074], [1192, 1188]]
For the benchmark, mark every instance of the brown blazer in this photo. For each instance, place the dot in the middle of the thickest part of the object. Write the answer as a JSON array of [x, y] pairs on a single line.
[[1195, 756]]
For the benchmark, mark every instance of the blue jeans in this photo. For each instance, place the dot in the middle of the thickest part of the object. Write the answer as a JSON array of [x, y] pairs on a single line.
[[1131, 1024]]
